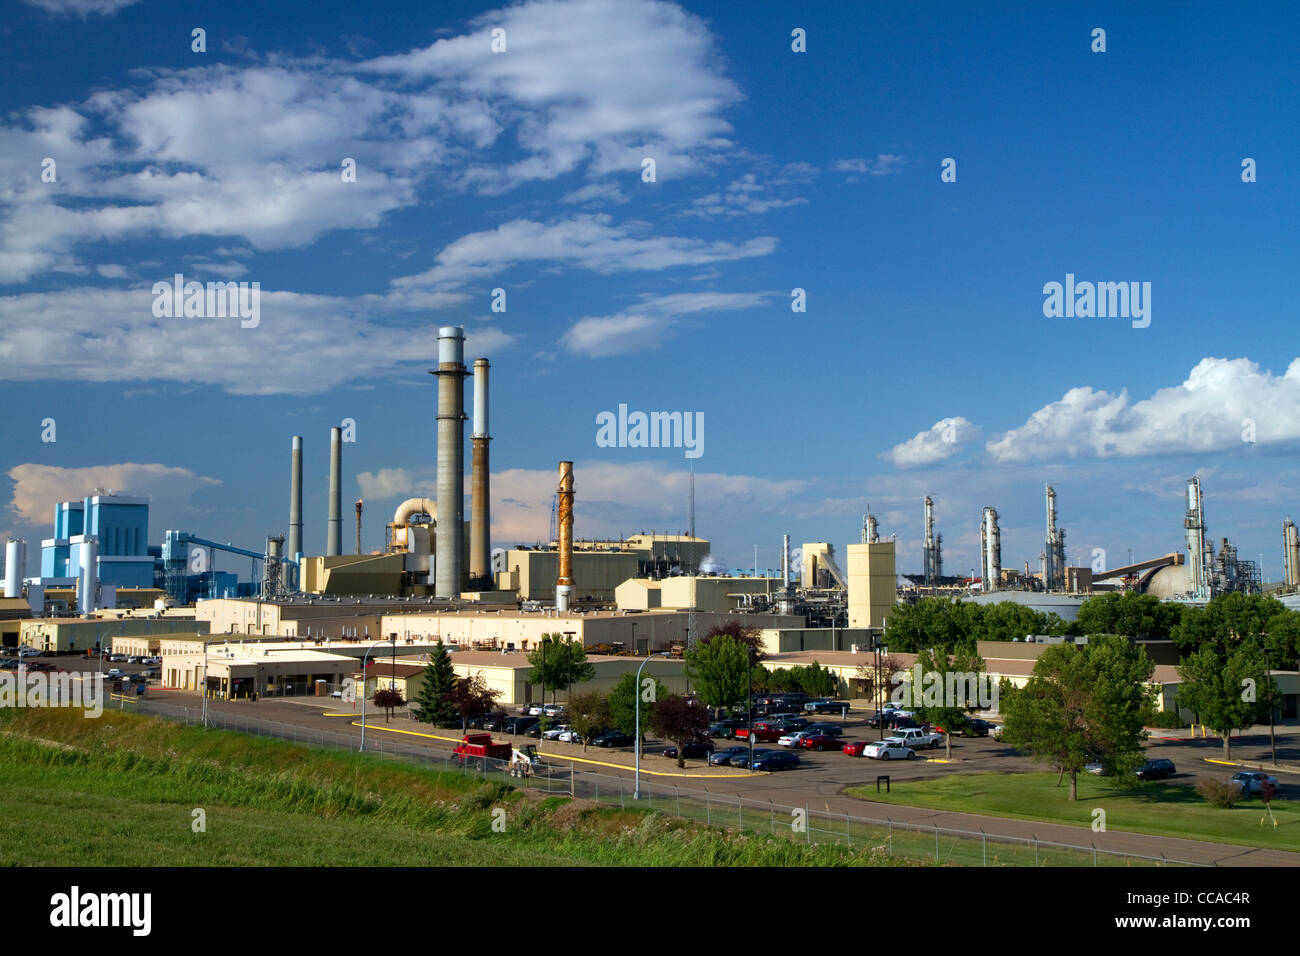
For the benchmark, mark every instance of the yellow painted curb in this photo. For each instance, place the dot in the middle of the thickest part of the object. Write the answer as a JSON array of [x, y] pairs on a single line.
[[598, 763], [1224, 763]]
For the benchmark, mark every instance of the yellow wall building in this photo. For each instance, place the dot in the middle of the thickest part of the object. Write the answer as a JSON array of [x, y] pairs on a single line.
[[872, 583]]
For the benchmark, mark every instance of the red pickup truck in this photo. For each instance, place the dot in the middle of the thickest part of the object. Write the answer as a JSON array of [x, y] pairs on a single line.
[[764, 733]]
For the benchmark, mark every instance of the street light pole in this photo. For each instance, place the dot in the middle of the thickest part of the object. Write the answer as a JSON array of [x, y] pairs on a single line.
[[1272, 737], [636, 785], [364, 658]]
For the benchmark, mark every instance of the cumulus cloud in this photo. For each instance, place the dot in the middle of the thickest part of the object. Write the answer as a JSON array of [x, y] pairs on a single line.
[[942, 440], [38, 488], [750, 194], [646, 326], [1213, 410], [580, 92], [883, 165]]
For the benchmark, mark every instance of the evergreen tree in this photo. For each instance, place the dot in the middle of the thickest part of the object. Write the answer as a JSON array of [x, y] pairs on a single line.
[[435, 697]]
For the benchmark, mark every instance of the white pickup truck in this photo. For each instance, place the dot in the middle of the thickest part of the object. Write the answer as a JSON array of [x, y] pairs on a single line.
[[917, 738]]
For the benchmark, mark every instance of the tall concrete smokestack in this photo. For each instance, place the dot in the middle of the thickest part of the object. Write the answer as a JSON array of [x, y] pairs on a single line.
[[480, 544], [334, 537], [564, 582], [295, 501], [15, 560], [449, 555]]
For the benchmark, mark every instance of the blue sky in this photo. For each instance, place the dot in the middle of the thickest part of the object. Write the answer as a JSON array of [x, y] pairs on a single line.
[[775, 170]]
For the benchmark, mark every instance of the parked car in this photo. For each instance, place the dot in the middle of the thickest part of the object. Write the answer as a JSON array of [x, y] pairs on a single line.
[[115, 672], [891, 720], [1156, 769], [889, 750], [830, 730], [570, 736], [742, 760], [819, 742], [1252, 781], [1095, 767], [725, 728], [996, 731], [534, 710], [117, 658], [917, 738], [791, 724], [612, 738], [976, 727], [26, 651], [553, 710], [856, 747], [778, 760], [826, 706], [553, 733], [10, 663], [693, 750], [517, 725], [722, 758], [793, 739], [767, 735]]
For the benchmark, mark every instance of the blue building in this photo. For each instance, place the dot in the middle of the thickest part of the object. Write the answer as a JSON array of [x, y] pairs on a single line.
[[120, 525]]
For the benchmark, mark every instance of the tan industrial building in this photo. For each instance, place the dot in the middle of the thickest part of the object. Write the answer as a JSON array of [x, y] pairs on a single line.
[[643, 632], [13, 611], [596, 573], [69, 635], [508, 673], [872, 583], [784, 640], [305, 616], [704, 593]]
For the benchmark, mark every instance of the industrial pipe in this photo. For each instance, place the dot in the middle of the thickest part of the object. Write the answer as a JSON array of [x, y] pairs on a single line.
[[480, 553], [334, 534], [449, 569]]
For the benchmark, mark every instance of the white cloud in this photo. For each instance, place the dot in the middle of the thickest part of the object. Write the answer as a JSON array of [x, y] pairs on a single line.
[[647, 325], [80, 8], [304, 344], [942, 440], [592, 242], [884, 164], [1207, 412], [38, 488]]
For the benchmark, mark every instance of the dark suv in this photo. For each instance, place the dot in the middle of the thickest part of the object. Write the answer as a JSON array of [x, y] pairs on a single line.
[[1155, 769]]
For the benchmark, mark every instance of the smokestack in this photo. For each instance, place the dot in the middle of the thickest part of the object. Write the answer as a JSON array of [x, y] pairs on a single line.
[[295, 500], [449, 556], [15, 562], [480, 535], [991, 551], [928, 569], [1290, 555], [334, 535], [359, 525], [89, 574], [564, 583], [785, 562]]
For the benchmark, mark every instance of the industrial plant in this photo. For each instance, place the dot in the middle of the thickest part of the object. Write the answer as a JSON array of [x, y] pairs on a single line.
[[437, 575]]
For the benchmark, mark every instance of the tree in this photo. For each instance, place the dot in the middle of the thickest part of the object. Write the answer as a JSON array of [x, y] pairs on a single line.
[[1138, 616], [623, 703], [589, 715], [877, 676], [1081, 703], [471, 697], [389, 698], [435, 693], [950, 688], [675, 718], [559, 663], [1224, 686], [716, 667], [748, 636]]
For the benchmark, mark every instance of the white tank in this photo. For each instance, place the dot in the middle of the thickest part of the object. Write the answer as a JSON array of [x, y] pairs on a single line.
[[15, 561], [89, 574]]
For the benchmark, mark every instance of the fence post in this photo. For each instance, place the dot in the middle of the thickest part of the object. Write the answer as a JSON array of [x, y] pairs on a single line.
[[984, 842], [1035, 849], [891, 835], [740, 814], [708, 809], [936, 844], [1094, 856], [679, 799], [772, 813], [807, 822], [848, 833]]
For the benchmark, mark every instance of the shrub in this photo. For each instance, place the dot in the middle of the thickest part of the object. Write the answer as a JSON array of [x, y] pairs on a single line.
[[1219, 793]]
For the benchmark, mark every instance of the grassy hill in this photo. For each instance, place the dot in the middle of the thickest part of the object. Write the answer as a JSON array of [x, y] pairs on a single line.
[[121, 790]]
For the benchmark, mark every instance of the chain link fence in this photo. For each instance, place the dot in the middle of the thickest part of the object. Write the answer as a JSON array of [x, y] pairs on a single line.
[[885, 837]]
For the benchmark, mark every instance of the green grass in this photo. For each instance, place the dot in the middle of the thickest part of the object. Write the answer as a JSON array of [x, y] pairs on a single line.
[[120, 791], [1162, 809]]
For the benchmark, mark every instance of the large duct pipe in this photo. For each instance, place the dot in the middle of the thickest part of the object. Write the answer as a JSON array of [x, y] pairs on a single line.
[[480, 544], [334, 534], [295, 501], [449, 556], [564, 582], [15, 562]]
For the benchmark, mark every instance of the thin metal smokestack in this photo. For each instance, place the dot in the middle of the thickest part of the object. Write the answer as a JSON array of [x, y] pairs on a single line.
[[295, 500], [564, 582], [359, 504], [785, 562], [449, 555], [480, 534], [334, 533]]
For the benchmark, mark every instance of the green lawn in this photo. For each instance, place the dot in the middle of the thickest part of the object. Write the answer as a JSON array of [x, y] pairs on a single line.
[[1164, 809], [120, 791]]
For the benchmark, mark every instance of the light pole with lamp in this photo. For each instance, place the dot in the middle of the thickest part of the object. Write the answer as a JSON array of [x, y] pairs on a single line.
[[636, 785], [1272, 737], [364, 660]]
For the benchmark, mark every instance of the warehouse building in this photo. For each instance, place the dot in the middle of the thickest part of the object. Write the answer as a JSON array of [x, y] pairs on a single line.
[[704, 593], [75, 635]]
